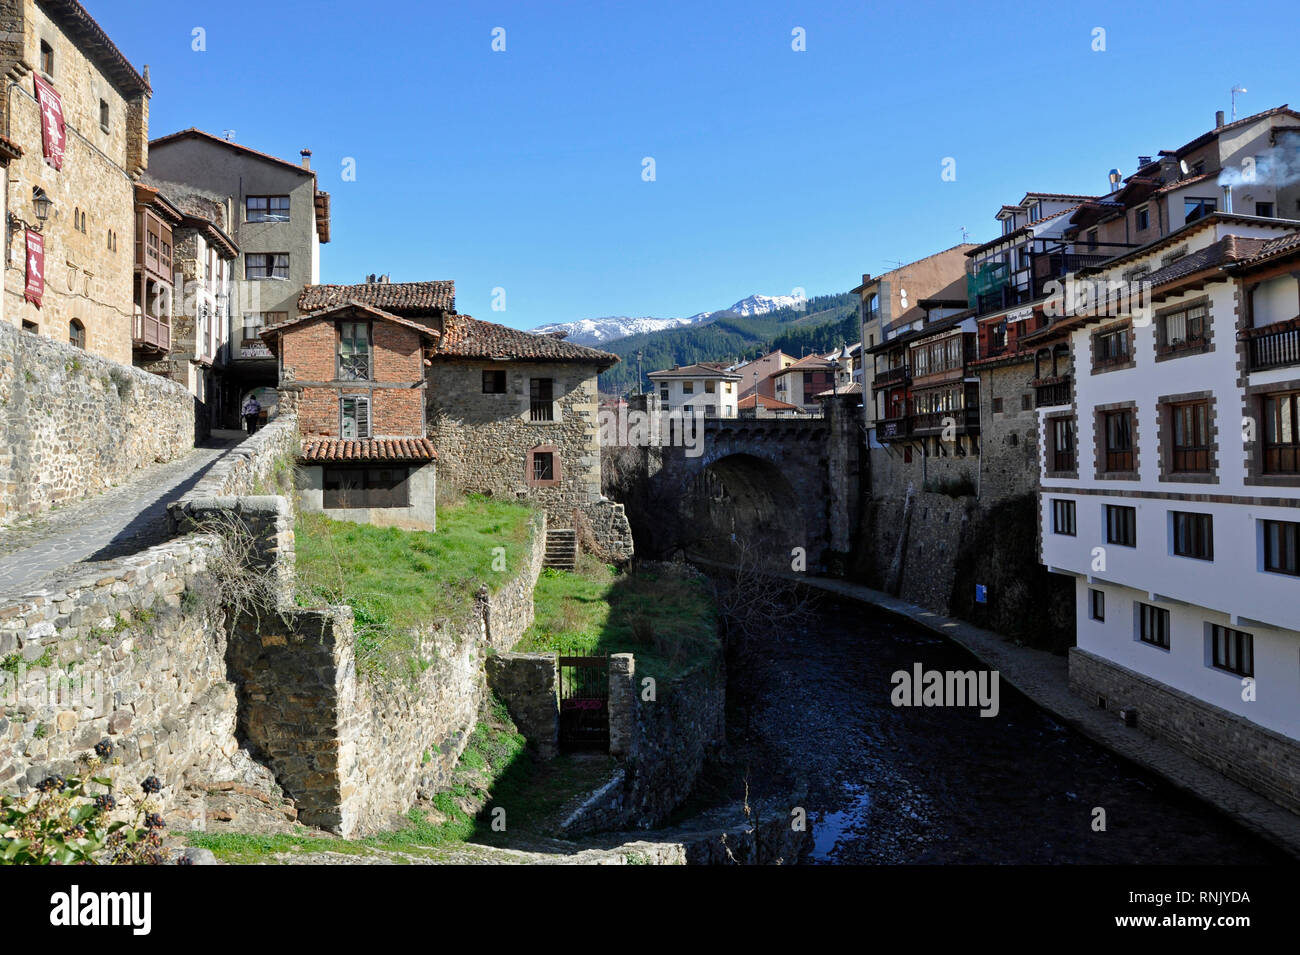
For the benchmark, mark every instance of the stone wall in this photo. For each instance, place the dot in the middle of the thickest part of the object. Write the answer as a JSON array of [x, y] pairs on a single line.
[[909, 543], [1258, 758], [73, 424], [483, 440], [355, 752], [134, 651], [528, 684], [1009, 438], [666, 742], [248, 468]]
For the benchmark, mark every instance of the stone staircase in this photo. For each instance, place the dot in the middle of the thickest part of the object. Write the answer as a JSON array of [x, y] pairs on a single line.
[[561, 548]]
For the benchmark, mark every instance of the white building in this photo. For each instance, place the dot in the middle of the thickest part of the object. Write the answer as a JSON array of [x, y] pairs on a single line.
[[706, 390], [1170, 491]]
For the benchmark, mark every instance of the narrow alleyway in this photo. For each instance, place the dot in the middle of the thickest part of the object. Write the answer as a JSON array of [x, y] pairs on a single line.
[[117, 522]]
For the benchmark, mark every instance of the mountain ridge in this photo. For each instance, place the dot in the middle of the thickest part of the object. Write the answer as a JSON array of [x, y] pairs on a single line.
[[611, 328]]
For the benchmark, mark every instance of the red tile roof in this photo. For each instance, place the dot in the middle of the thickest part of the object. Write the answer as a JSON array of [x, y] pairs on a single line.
[[270, 334], [466, 337], [749, 401], [329, 450], [400, 298]]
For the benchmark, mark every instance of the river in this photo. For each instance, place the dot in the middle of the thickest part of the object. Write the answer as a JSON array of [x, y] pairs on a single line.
[[943, 785]]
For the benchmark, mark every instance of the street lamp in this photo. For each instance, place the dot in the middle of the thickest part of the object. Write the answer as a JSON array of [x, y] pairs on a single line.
[[41, 202]]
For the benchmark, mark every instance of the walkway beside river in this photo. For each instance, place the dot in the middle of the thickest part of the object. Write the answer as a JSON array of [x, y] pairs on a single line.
[[1043, 678]]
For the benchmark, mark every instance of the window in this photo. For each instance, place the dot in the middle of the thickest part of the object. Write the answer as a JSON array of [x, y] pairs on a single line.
[[873, 308], [1118, 432], [544, 466], [77, 333], [997, 405], [1121, 525], [688, 387], [266, 265], [494, 382], [1232, 650], [1143, 218], [1061, 431], [1092, 238], [1110, 347], [31, 327], [1264, 209], [266, 209], [728, 387], [663, 395], [1194, 209], [354, 351], [1193, 535], [366, 487], [1190, 450], [1282, 433], [47, 59], [541, 395], [103, 115], [1282, 547], [1063, 517], [1185, 328], [1153, 626], [710, 387], [354, 417], [254, 322], [1026, 402], [1097, 605]]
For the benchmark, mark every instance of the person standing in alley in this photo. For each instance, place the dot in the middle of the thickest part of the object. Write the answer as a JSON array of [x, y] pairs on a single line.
[[252, 410]]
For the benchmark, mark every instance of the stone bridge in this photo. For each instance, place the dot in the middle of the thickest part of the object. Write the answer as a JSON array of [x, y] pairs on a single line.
[[773, 483]]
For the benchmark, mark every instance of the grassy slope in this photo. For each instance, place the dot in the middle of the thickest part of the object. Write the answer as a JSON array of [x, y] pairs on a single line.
[[663, 615]]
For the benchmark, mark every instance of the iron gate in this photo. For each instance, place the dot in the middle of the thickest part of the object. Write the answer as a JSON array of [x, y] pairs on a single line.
[[584, 702]]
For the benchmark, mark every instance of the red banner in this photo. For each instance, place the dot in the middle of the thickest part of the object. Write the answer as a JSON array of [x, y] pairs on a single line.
[[35, 268], [53, 137]]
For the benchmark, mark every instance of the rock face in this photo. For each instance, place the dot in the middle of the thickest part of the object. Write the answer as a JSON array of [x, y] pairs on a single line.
[[74, 424]]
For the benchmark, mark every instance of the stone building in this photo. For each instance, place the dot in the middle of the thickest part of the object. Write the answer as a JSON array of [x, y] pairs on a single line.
[[202, 278], [358, 373], [79, 111], [509, 413], [281, 219]]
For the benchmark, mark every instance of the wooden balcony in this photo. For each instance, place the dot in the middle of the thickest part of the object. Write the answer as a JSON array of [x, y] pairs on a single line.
[[1274, 347], [966, 420], [892, 429], [151, 334], [897, 375], [1052, 391]]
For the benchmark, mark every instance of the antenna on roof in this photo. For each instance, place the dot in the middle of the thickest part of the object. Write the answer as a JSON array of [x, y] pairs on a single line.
[[1182, 167], [965, 236], [1233, 94], [229, 134]]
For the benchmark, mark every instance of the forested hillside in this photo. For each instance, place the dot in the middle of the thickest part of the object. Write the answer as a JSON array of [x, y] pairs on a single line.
[[826, 322]]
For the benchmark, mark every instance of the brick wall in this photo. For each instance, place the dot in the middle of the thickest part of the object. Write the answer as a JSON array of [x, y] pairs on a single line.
[[310, 350]]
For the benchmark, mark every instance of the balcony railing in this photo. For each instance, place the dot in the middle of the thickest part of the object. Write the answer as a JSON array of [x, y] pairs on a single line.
[[1275, 349], [1049, 392], [891, 429], [965, 420], [892, 376], [151, 332]]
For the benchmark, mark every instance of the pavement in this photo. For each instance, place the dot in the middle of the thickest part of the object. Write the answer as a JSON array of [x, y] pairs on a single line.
[[1044, 678], [115, 523]]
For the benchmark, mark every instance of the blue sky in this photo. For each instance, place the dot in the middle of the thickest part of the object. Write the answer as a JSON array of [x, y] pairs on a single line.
[[775, 169]]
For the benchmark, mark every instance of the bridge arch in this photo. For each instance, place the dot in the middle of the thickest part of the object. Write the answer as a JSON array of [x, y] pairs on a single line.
[[741, 500]]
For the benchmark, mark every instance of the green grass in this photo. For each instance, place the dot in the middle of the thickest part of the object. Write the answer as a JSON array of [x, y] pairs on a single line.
[[396, 581], [665, 615]]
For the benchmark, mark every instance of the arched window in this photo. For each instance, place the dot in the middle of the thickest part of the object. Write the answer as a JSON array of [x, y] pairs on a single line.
[[872, 311], [77, 333]]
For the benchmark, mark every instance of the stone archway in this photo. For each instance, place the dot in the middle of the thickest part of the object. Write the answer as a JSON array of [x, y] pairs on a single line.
[[743, 501]]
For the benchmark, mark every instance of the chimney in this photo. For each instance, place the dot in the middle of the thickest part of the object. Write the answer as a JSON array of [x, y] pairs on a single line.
[[306, 157], [1144, 161], [1218, 119]]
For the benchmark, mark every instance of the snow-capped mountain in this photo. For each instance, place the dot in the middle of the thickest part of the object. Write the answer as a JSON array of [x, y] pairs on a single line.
[[602, 331]]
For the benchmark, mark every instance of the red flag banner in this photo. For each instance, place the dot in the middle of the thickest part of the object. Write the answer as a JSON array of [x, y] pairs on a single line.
[[53, 136], [35, 268]]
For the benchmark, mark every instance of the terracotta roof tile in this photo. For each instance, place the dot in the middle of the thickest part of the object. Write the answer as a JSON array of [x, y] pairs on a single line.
[[466, 337], [338, 450], [270, 332], [401, 298], [775, 403]]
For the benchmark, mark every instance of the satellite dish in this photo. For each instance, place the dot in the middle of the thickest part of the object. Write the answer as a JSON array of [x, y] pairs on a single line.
[[1182, 165]]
